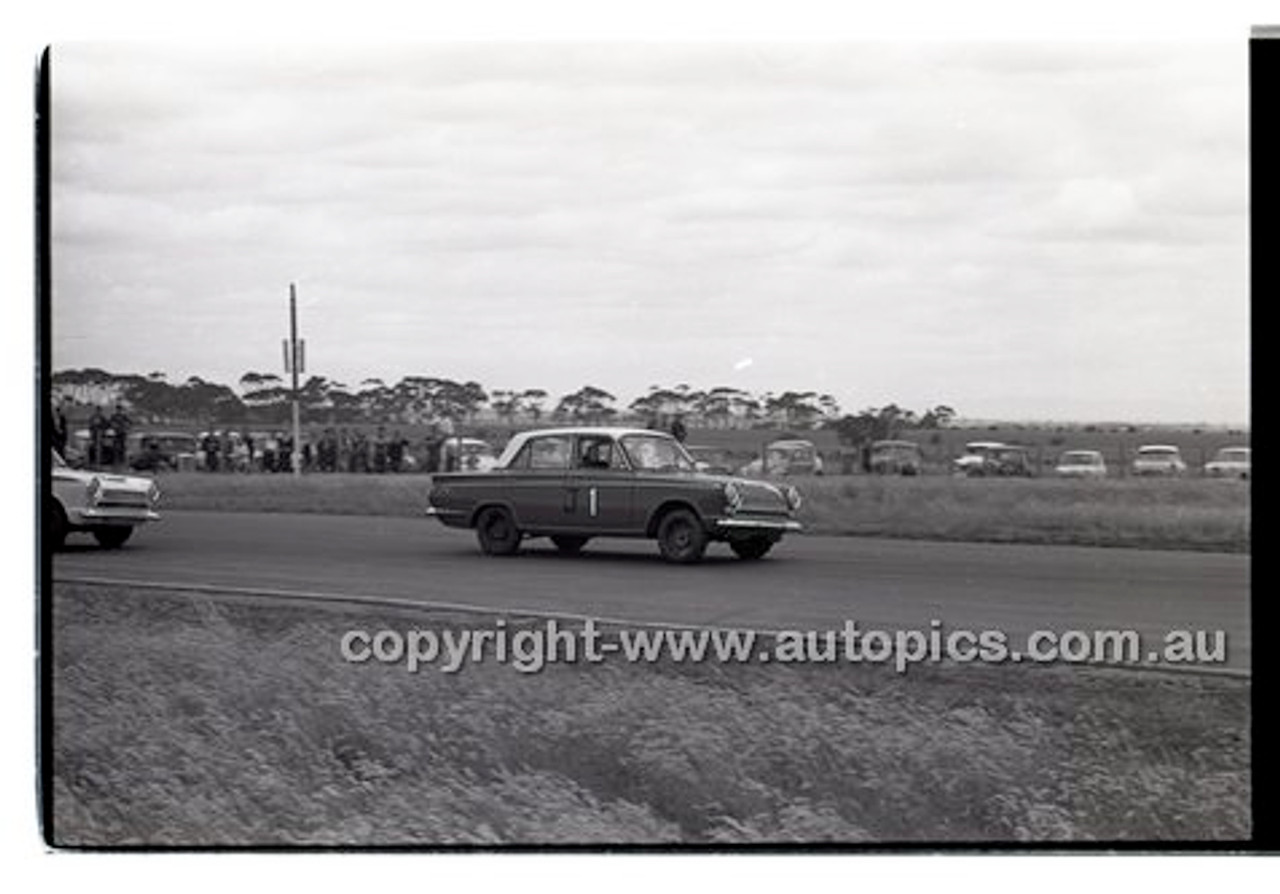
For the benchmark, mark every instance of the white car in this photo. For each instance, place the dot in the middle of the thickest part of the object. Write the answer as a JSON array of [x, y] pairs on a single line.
[[976, 458], [477, 455], [1158, 459], [1230, 462], [103, 504], [786, 457], [1081, 464]]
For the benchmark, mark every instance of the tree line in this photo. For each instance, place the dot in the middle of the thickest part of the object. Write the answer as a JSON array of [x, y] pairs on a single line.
[[265, 398]]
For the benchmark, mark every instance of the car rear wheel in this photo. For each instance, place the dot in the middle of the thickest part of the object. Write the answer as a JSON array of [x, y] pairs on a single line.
[[569, 544], [112, 538], [497, 532], [751, 548], [681, 537]]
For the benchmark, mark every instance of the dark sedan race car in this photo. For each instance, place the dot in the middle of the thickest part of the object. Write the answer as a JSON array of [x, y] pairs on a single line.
[[573, 484]]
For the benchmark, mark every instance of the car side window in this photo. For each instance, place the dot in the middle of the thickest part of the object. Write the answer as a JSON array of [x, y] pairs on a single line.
[[550, 452], [598, 452]]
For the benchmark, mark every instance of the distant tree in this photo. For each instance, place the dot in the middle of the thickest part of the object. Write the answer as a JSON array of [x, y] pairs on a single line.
[[532, 399], [796, 408], [506, 403], [587, 404]]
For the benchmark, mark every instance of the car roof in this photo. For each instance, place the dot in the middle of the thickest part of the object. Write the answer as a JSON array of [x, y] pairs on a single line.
[[519, 438], [616, 431], [1157, 447], [969, 445], [791, 442]]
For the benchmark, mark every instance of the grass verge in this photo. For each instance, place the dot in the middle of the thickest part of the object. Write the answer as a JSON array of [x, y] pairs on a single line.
[[1191, 514], [182, 720]]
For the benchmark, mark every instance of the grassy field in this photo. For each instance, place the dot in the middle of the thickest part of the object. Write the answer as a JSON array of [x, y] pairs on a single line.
[[1160, 514], [181, 720]]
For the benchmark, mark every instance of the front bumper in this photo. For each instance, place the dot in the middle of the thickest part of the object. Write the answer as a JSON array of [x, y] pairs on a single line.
[[776, 525], [94, 516]]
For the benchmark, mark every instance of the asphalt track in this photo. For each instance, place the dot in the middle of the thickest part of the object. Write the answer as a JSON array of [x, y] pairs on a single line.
[[807, 582]]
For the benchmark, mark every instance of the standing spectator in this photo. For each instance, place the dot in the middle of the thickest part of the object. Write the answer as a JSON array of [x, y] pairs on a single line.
[[248, 449], [360, 453], [97, 436], [284, 453], [395, 451], [211, 447], [380, 450], [269, 448], [227, 449], [120, 424], [343, 463], [679, 430], [432, 449]]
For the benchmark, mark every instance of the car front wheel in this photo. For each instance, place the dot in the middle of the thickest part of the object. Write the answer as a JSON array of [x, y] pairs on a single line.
[[57, 527], [112, 538], [569, 544], [751, 548], [681, 537], [497, 532]]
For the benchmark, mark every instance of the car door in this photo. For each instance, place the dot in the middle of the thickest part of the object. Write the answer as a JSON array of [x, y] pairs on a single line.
[[535, 482], [599, 490]]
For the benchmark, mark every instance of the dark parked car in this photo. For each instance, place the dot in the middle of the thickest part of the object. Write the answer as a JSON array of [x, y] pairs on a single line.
[[895, 458], [573, 484], [155, 451]]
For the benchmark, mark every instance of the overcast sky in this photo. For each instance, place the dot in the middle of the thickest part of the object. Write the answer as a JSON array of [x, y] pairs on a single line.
[[1019, 230]]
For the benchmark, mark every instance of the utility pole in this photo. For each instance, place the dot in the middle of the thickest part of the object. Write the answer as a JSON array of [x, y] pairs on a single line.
[[294, 361]]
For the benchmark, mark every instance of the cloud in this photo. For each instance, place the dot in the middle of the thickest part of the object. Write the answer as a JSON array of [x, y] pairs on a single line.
[[928, 220]]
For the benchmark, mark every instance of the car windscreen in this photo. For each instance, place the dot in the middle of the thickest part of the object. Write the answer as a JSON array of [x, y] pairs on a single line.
[[651, 453], [1233, 454], [1081, 458]]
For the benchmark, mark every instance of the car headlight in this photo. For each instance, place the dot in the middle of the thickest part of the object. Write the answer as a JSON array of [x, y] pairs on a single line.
[[153, 494], [732, 497], [793, 498], [93, 491]]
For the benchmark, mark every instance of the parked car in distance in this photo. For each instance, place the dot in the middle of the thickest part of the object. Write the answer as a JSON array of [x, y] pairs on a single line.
[[575, 484], [1230, 462], [994, 459], [477, 455], [895, 458], [1081, 464], [713, 460], [1158, 459], [103, 504], [975, 458], [160, 450], [792, 456]]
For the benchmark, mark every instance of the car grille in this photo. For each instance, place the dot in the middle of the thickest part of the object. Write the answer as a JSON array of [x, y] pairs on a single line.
[[131, 498], [761, 498]]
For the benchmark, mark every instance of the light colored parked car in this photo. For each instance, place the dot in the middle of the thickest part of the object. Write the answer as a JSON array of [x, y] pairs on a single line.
[[895, 458], [1230, 462], [1158, 459], [984, 459], [477, 455], [793, 456], [103, 504], [574, 484], [1081, 464]]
